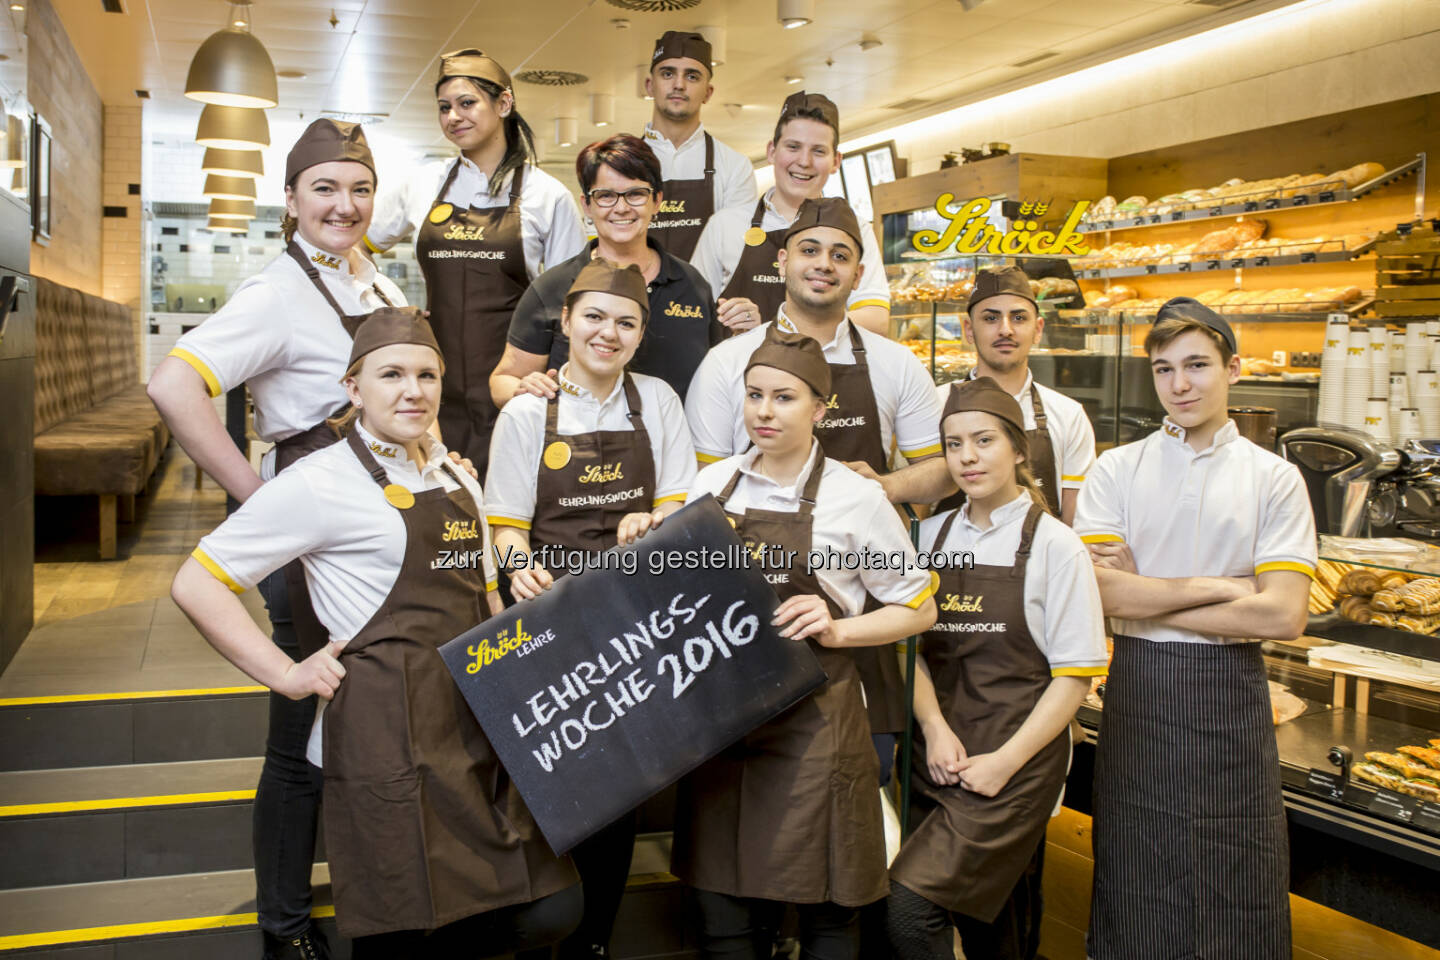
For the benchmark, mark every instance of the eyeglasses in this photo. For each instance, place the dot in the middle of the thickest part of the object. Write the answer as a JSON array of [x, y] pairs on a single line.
[[637, 197]]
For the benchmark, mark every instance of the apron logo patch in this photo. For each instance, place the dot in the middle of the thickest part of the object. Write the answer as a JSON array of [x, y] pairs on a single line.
[[460, 530], [953, 604], [754, 237], [400, 498], [557, 455], [487, 651], [672, 206], [325, 260], [460, 231], [682, 310], [833, 403], [602, 474], [383, 451], [1174, 430], [441, 212]]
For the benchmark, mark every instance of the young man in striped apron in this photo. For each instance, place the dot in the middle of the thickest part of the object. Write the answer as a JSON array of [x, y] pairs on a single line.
[[1204, 545]]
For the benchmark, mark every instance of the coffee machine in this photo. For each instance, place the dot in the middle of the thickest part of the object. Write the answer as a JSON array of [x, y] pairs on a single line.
[[1363, 487]]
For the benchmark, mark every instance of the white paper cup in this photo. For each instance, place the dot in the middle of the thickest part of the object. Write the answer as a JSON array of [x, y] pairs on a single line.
[[1408, 426], [1397, 351], [1377, 418]]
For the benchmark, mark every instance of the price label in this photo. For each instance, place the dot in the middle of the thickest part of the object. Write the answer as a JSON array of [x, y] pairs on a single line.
[[1185, 267], [1106, 224], [1272, 203], [1216, 211], [1262, 261], [1428, 817], [1302, 200], [1151, 268], [1323, 783], [1138, 222], [1154, 218], [1392, 806], [1237, 263], [1326, 196], [1212, 264], [1307, 257], [1251, 206], [1093, 274], [1177, 215]]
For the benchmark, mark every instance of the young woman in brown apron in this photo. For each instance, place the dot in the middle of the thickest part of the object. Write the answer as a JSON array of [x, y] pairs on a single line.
[[285, 334], [432, 852], [791, 814], [599, 462], [478, 258], [1001, 674]]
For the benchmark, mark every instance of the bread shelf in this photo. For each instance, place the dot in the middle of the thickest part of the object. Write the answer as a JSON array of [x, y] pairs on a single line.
[[1222, 261], [1330, 192], [1332, 626]]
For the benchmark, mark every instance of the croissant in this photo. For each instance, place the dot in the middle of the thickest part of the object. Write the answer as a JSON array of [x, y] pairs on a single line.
[[1360, 582], [1356, 609], [1393, 581], [1387, 600]]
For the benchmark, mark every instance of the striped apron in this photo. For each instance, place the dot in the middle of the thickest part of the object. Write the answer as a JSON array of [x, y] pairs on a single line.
[[1191, 852]]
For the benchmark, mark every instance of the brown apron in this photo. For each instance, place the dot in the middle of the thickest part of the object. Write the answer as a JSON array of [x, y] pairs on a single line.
[[588, 482], [792, 811], [686, 208], [1043, 466], [422, 825], [473, 260], [757, 275], [309, 631], [969, 851]]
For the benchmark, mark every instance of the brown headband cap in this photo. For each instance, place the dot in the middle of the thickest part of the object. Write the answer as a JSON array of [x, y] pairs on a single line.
[[679, 44], [471, 62], [796, 354], [603, 276], [326, 140], [985, 395], [388, 326]]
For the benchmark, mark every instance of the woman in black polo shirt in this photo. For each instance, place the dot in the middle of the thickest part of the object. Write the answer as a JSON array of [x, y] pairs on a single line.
[[621, 182]]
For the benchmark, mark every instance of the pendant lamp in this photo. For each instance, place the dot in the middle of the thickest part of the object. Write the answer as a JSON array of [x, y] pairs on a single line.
[[232, 209], [232, 128], [228, 226], [232, 68], [229, 188], [567, 131], [233, 163], [602, 109]]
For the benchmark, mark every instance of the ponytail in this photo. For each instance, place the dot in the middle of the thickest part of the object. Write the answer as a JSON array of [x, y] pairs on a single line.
[[519, 138], [342, 424]]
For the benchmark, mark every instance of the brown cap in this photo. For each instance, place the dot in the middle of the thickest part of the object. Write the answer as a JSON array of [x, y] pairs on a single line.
[[825, 212], [678, 44], [325, 140], [984, 394], [816, 102], [472, 63], [603, 276], [998, 282], [391, 325], [1188, 308], [794, 353]]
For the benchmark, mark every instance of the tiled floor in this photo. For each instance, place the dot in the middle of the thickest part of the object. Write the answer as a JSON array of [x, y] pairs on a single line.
[[110, 626]]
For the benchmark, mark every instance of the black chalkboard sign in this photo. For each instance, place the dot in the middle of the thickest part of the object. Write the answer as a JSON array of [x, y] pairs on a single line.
[[614, 684]]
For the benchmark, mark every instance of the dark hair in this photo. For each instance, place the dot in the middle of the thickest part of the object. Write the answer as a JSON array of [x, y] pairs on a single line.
[[807, 113], [570, 299], [519, 138], [624, 153], [1170, 328]]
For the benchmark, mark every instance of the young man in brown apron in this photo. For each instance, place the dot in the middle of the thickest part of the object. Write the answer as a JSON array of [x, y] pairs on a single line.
[[285, 334], [1001, 674], [791, 814], [479, 239], [591, 466], [738, 253], [432, 852], [1204, 545], [702, 175]]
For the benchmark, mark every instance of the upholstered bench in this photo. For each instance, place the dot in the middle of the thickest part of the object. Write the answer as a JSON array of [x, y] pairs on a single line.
[[96, 432]]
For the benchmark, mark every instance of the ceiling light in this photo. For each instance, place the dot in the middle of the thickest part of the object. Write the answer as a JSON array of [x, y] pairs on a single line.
[[232, 128], [229, 188], [17, 7], [642, 72], [602, 109], [233, 209], [567, 131], [232, 68], [291, 74], [794, 13], [794, 78], [717, 40], [220, 224], [870, 43], [233, 163], [143, 94]]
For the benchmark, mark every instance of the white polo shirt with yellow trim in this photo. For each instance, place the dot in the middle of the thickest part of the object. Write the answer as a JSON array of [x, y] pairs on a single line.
[[718, 251], [905, 395], [277, 334], [734, 180], [1062, 600], [516, 444], [851, 515], [327, 511], [1230, 510]]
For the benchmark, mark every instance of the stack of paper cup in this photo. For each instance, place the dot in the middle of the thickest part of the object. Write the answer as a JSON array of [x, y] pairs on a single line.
[[1408, 426], [1417, 351], [1357, 379], [1332, 367], [1427, 398], [1397, 351], [1399, 397], [1377, 418], [1432, 328], [1380, 362], [1434, 351]]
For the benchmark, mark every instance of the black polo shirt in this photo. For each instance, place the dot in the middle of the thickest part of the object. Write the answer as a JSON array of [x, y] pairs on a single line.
[[681, 329]]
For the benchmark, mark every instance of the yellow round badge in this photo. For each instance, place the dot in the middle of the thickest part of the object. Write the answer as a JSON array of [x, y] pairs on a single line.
[[399, 497], [557, 455], [441, 212], [754, 237]]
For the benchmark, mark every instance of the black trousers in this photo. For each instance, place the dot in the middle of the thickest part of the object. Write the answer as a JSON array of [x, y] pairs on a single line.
[[921, 930], [525, 926], [287, 800], [604, 864], [744, 928]]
